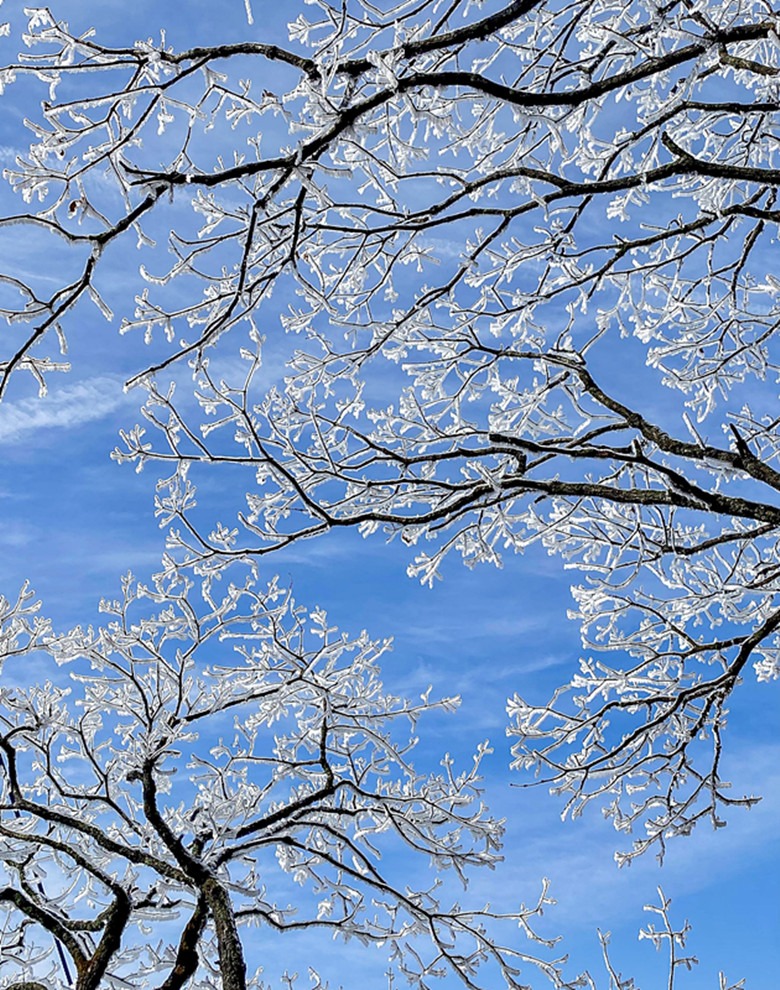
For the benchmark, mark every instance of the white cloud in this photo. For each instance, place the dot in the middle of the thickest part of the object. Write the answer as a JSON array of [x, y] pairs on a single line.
[[577, 856], [65, 408], [20, 534], [9, 154]]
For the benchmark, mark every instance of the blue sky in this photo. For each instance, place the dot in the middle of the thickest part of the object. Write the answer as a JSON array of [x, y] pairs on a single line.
[[73, 521]]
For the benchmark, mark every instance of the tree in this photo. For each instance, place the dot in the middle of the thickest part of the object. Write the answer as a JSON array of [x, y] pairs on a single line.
[[201, 749], [197, 751], [440, 185]]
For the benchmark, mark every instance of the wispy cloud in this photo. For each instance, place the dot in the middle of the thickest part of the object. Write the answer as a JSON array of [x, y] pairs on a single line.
[[577, 855], [10, 152], [64, 408], [17, 535], [472, 626]]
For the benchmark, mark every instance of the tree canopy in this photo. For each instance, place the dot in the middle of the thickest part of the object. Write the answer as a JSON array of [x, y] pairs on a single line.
[[513, 265], [207, 750]]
